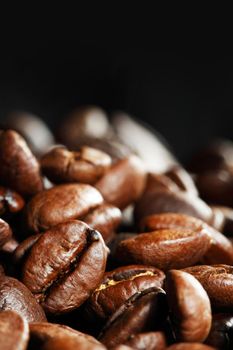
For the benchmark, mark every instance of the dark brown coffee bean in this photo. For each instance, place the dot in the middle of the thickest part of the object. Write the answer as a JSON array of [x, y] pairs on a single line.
[[182, 179], [5, 232], [217, 280], [65, 265], [15, 296], [220, 250], [120, 284], [157, 202], [221, 333], [124, 182], [165, 249], [190, 346], [148, 341], [19, 168], [157, 182], [61, 203], [86, 166], [189, 305], [14, 332], [142, 312], [48, 336], [23, 249], [10, 201]]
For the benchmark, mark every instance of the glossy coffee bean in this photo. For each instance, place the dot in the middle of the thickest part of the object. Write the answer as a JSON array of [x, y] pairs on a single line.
[[161, 201], [142, 312], [15, 296], [14, 332], [50, 336], [221, 333], [220, 250], [19, 168], [65, 265], [165, 249], [124, 182], [190, 346], [86, 166], [61, 203], [182, 179], [189, 305], [217, 280], [10, 201], [148, 341], [119, 285], [5, 232]]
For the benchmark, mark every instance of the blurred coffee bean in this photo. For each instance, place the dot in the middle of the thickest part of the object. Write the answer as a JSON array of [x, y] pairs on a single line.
[[182, 179], [190, 346], [10, 202], [189, 305], [221, 333], [227, 221], [148, 341], [5, 232]]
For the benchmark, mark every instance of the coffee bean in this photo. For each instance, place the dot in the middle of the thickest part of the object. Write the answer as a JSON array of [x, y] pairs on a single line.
[[19, 168], [190, 346], [14, 331], [182, 179], [227, 221], [189, 305], [221, 333], [148, 341], [5, 232], [10, 202]]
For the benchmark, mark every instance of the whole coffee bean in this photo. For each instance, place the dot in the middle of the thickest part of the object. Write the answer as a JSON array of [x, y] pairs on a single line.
[[165, 249], [10, 201], [14, 332], [119, 285], [15, 296], [220, 250], [5, 232], [147, 143], [189, 305], [48, 336], [65, 265], [161, 201], [221, 333], [33, 129], [61, 203], [160, 182], [183, 179], [124, 182], [142, 312], [19, 168], [190, 346], [217, 280], [148, 341], [86, 166]]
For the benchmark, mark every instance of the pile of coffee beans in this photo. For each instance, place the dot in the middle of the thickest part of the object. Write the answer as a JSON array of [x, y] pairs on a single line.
[[108, 242]]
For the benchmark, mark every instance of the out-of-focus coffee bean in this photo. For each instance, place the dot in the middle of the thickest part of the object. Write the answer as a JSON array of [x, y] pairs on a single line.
[[19, 168], [5, 232], [15, 296], [86, 166], [227, 214], [146, 142], [148, 341], [124, 182], [33, 129], [221, 333], [217, 280], [10, 201], [14, 332], [183, 179], [189, 305], [119, 285], [142, 312], [165, 249], [65, 265], [190, 346]]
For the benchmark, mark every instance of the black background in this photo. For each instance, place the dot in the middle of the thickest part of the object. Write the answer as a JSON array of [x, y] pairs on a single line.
[[180, 83]]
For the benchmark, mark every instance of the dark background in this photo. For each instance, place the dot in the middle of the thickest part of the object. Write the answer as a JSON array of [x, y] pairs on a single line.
[[182, 86]]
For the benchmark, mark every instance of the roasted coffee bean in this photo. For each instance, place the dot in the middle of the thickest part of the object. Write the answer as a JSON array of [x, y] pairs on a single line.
[[15, 296], [220, 250], [217, 280], [161, 201], [148, 341], [6, 255], [165, 249], [10, 201], [227, 221], [144, 311], [61, 203], [189, 305], [14, 332], [121, 347], [190, 346], [221, 333], [48, 336], [5, 232], [23, 249], [124, 182], [65, 265], [86, 166], [182, 179], [119, 285], [157, 182], [19, 168]]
